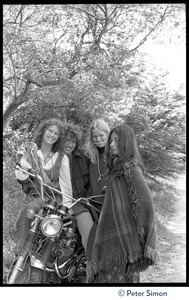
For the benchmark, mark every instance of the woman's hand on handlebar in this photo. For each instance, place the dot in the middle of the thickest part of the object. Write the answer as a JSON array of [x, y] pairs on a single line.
[[70, 211], [25, 165], [22, 174]]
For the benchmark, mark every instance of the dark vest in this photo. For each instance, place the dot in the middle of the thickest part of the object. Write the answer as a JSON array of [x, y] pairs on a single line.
[[53, 175]]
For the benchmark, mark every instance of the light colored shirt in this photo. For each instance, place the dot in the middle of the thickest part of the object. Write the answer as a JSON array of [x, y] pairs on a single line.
[[64, 175]]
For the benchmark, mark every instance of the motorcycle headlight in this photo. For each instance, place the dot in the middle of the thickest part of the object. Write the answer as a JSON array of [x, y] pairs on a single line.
[[51, 225]]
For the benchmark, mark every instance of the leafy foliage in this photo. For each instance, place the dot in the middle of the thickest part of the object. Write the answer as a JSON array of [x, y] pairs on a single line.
[[79, 62], [50, 45], [33, 112], [158, 120]]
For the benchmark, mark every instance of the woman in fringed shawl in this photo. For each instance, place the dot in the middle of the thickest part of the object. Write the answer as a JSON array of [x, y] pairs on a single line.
[[125, 239]]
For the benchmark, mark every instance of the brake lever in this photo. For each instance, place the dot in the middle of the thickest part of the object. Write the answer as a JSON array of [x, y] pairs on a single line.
[[98, 210], [96, 201], [86, 201]]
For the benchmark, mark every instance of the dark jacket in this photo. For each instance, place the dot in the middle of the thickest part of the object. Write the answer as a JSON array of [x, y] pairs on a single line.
[[97, 183], [80, 179], [80, 173]]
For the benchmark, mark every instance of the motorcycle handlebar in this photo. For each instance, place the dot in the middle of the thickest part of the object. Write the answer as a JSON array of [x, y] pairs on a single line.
[[33, 174], [86, 200]]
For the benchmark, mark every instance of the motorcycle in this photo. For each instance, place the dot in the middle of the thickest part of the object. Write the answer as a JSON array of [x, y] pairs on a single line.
[[52, 252]]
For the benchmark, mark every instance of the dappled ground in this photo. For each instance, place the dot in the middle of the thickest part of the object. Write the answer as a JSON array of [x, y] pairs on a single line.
[[171, 242]]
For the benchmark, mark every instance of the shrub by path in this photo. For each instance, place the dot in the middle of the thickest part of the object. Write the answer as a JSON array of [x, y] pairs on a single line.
[[171, 243]]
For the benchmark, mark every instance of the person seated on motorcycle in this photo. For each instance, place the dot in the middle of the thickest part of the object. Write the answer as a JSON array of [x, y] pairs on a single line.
[[79, 166], [54, 169]]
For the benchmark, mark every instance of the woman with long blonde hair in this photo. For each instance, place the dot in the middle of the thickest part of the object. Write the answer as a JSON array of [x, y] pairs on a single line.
[[95, 149]]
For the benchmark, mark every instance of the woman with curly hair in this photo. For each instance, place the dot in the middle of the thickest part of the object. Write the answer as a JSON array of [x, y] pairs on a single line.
[[79, 166], [125, 239], [54, 167]]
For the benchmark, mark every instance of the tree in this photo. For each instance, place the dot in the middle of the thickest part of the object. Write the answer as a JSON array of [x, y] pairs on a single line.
[[79, 62], [158, 119], [56, 45]]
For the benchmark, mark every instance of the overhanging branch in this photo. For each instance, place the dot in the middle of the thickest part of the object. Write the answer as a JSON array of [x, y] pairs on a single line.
[[152, 30]]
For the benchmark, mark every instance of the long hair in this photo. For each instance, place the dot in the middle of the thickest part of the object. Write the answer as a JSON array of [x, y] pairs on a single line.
[[39, 132], [73, 131], [89, 147], [127, 148]]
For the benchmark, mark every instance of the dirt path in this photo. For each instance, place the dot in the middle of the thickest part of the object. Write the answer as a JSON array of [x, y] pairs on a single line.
[[171, 243]]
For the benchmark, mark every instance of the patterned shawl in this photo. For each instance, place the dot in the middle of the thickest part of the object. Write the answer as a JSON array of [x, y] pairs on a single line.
[[126, 233]]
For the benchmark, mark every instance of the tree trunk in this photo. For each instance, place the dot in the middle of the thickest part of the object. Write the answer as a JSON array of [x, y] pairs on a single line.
[[9, 112]]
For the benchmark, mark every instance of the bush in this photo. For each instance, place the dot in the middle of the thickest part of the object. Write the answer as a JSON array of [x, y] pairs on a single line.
[[12, 197], [164, 196]]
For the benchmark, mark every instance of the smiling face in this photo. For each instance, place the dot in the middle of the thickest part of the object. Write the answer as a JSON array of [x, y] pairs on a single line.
[[114, 138], [69, 145], [51, 135], [99, 137]]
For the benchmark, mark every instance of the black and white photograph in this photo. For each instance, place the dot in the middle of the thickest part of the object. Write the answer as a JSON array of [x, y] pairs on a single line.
[[94, 147]]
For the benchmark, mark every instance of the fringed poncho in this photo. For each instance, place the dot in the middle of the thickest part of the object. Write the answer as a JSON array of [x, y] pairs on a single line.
[[126, 233]]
